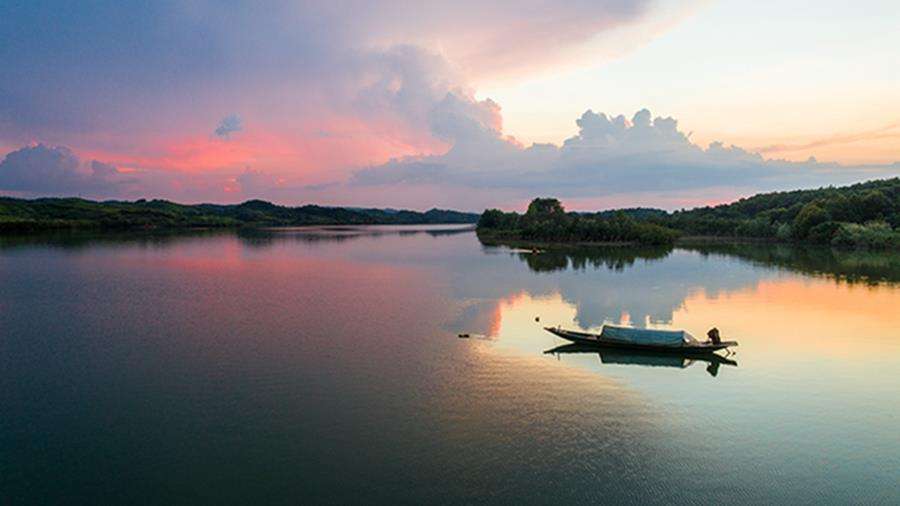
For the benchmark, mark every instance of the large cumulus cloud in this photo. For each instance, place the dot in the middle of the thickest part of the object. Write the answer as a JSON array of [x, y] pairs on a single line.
[[326, 88], [608, 156]]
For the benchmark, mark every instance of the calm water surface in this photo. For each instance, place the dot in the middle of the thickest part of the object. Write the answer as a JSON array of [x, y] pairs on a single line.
[[322, 366]]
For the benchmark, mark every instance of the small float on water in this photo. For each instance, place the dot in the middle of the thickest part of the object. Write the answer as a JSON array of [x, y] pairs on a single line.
[[663, 341]]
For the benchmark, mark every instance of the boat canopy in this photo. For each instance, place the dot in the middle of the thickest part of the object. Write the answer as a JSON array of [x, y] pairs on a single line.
[[647, 336]]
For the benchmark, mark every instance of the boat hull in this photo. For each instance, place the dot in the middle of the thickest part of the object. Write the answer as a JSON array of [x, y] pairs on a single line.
[[596, 340]]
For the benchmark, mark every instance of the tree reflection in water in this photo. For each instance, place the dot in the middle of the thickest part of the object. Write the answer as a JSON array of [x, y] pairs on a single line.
[[852, 266]]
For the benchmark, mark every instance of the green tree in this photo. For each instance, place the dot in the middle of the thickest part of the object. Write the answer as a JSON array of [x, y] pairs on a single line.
[[823, 233], [784, 231], [874, 205], [809, 216], [491, 218], [838, 206], [545, 208]]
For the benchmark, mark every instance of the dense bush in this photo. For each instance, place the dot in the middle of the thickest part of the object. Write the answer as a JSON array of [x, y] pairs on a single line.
[[784, 231], [875, 235], [823, 233], [757, 227], [811, 215]]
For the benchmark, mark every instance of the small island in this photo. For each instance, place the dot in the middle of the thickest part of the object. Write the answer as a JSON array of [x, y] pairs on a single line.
[[865, 215]]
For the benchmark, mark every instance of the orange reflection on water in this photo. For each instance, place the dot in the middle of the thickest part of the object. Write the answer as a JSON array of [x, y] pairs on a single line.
[[800, 315], [790, 316], [519, 320]]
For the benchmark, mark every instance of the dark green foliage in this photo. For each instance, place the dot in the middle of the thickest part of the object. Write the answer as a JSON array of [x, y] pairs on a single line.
[[811, 215], [874, 205], [638, 213], [495, 218], [19, 215], [545, 209], [547, 221], [757, 227], [823, 233], [432, 216], [803, 215], [874, 235], [817, 216]]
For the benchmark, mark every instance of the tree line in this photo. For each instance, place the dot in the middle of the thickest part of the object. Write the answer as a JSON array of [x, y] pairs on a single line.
[[547, 221], [21, 215], [864, 215]]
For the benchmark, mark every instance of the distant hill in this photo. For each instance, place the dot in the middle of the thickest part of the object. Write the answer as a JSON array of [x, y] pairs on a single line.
[[432, 216], [61, 213]]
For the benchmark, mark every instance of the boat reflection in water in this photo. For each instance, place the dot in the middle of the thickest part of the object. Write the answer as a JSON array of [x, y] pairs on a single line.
[[647, 358]]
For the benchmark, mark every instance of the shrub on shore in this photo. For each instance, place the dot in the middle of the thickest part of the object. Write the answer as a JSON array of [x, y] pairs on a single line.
[[872, 235]]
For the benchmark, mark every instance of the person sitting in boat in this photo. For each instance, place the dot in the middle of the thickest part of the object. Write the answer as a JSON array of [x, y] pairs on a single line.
[[713, 335]]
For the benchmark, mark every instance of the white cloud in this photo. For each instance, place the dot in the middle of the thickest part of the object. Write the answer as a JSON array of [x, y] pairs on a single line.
[[608, 156]]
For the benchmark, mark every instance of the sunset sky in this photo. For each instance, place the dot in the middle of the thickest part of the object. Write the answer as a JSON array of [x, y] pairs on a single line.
[[603, 103]]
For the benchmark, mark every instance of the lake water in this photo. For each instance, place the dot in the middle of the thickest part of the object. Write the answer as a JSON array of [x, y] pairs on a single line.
[[323, 366]]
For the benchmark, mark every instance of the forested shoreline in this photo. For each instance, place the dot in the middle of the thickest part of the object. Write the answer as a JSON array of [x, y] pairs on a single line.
[[864, 215]]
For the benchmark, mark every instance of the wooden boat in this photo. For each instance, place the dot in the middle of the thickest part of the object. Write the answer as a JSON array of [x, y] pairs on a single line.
[[663, 341]]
